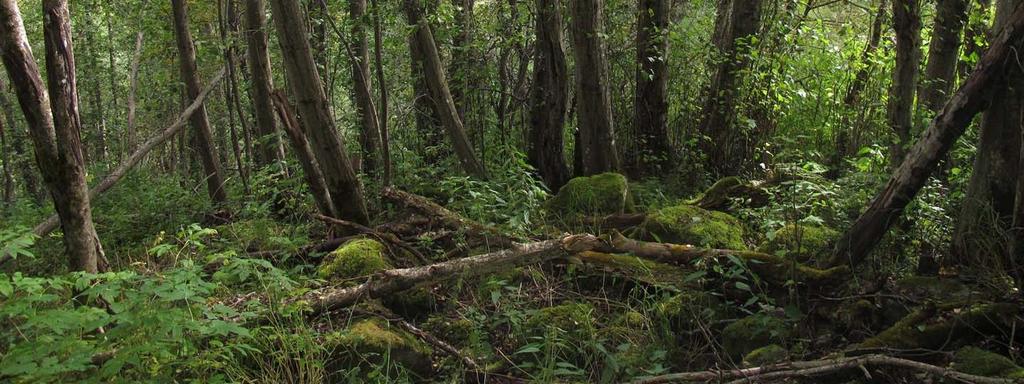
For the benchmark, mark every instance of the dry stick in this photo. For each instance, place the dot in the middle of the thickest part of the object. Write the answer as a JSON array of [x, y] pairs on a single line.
[[819, 367], [118, 173]]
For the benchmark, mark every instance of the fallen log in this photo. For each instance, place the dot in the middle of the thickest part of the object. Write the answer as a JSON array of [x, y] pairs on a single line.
[[419, 204], [804, 369]]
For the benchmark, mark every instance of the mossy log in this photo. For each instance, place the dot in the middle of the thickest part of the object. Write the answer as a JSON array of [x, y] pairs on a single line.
[[721, 194], [937, 327]]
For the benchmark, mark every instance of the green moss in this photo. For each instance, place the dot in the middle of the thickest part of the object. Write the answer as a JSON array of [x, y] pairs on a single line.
[[769, 354], [687, 224], [977, 361], [642, 270], [931, 327], [572, 318], [455, 331], [373, 343], [799, 242], [745, 335], [598, 195], [356, 258]]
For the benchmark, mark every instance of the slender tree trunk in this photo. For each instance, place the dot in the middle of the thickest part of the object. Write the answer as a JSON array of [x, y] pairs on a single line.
[[230, 90], [382, 106], [55, 132], [462, 55], [853, 94], [307, 89], [8, 171], [987, 208], [96, 94], [310, 167], [233, 28], [369, 134], [596, 126], [133, 86], [200, 121], [115, 96], [262, 82], [317, 13], [720, 134], [428, 122], [906, 20], [943, 53], [437, 84], [988, 79], [22, 159], [549, 98], [651, 99]]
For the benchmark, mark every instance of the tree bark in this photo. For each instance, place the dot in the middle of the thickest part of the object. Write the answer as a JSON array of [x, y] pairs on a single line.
[[307, 160], [987, 209], [987, 78], [262, 82], [312, 106], [462, 55], [943, 53], [369, 133], [230, 96], [437, 84], [133, 86], [594, 117], [22, 159], [906, 20], [382, 89], [651, 99], [200, 121], [549, 98], [720, 135], [95, 94]]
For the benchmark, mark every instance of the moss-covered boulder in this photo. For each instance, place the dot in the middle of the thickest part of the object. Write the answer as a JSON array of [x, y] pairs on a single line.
[[356, 258], [372, 344], [977, 361], [688, 224], [798, 242], [598, 195], [745, 335], [769, 354]]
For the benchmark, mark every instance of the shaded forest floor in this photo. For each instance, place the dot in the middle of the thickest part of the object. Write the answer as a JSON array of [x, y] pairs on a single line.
[[200, 297]]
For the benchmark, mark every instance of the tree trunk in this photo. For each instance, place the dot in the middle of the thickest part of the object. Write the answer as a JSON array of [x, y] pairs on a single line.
[[307, 160], [720, 135], [428, 122], [236, 98], [976, 33], [230, 98], [974, 95], [112, 75], [594, 118], [8, 171], [307, 89], [651, 99], [549, 98], [133, 86], [369, 133], [96, 95], [382, 106], [200, 121], [462, 55], [943, 53], [987, 209], [437, 84], [906, 20], [22, 159], [55, 132], [262, 82], [853, 94]]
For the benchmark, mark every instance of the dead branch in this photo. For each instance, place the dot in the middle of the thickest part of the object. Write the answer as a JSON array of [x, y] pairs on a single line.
[[419, 204]]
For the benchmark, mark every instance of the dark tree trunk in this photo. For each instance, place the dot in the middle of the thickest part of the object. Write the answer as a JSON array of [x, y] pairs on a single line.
[[230, 61], [976, 93], [22, 158], [853, 94], [943, 53], [549, 98], [428, 123], [200, 121], [362, 84], [594, 115], [55, 132], [987, 209], [312, 106], [8, 168], [307, 160], [382, 106], [262, 81], [462, 55], [437, 84], [651, 99], [721, 137], [317, 14], [96, 95], [133, 86], [906, 20], [235, 95]]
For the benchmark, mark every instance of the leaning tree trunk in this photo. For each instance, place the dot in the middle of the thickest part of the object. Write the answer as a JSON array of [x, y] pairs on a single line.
[[262, 81], [307, 160], [437, 84], [651, 99], [594, 114], [362, 85], [312, 106], [200, 121], [733, 33], [943, 53], [987, 209], [548, 98], [986, 80], [906, 20], [55, 132]]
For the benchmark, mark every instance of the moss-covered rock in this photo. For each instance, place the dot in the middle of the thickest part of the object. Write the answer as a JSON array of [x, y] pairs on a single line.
[[598, 195], [372, 343], [745, 335], [977, 361], [935, 327], [356, 258], [799, 242], [729, 189], [687, 224], [769, 354]]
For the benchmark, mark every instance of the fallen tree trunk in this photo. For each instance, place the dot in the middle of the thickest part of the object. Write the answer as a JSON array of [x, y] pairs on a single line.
[[804, 369], [923, 159], [51, 223], [419, 204]]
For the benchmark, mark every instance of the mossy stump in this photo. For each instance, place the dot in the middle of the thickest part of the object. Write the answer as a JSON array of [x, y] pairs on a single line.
[[598, 195], [356, 258], [372, 344]]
